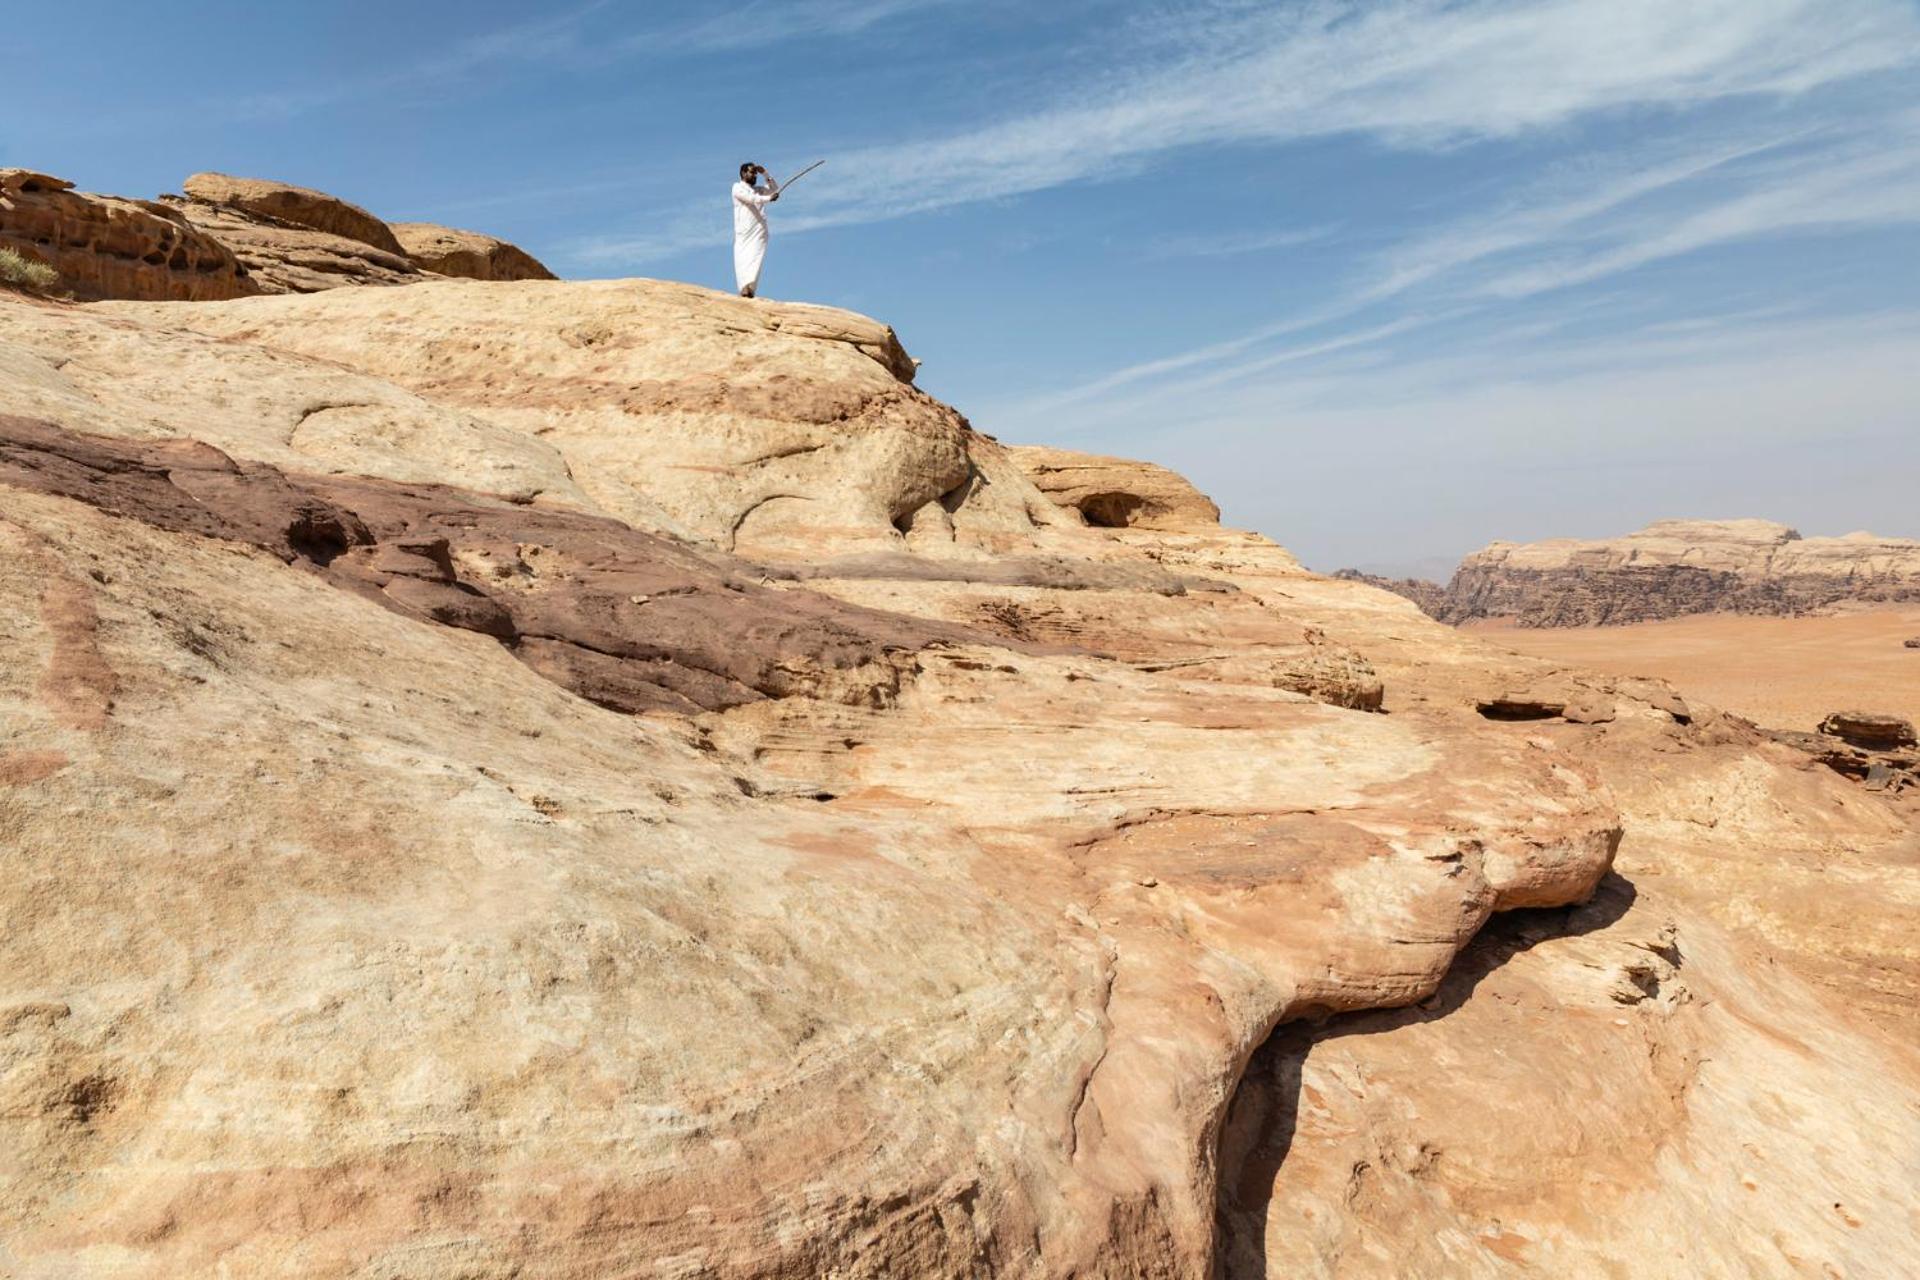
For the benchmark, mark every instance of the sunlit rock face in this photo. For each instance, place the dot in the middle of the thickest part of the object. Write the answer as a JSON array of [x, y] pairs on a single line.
[[524, 777]]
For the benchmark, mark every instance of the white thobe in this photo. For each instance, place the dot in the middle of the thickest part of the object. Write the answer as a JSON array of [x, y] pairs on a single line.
[[750, 231]]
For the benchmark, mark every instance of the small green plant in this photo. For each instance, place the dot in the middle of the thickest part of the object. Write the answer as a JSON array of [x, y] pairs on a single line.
[[24, 273]]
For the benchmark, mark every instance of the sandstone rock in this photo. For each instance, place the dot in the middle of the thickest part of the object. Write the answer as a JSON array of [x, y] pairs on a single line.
[[621, 618], [91, 371], [1430, 596], [352, 940], [1677, 567], [467, 254], [1116, 493], [285, 203], [1523, 705], [771, 429], [105, 247], [1881, 765], [1333, 674], [1868, 729], [283, 256]]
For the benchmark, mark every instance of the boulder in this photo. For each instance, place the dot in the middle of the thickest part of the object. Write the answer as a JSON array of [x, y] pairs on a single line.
[[301, 206], [106, 247], [1869, 729], [467, 254]]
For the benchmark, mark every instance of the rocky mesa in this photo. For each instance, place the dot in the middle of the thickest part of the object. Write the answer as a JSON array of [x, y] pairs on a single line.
[[1671, 569], [512, 778]]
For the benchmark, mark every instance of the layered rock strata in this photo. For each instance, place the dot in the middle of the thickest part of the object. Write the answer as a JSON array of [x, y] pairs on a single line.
[[1671, 569], [1116, 493], [230, 237], [105, 247], [974, 892], [467, 254]]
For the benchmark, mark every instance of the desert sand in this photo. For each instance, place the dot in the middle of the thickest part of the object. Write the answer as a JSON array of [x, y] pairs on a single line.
[[1783, 673]]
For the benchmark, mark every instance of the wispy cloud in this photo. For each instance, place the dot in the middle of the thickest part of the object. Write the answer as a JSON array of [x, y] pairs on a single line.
[[1414, 73], [1615, 214], [1876, 187], [1232, 244], [770, 22]]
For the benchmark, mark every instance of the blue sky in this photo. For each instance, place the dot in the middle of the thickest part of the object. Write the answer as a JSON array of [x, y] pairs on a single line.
[[1389, 280]]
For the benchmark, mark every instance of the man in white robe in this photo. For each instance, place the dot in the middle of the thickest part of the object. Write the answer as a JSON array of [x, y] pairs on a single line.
[[750, 226]]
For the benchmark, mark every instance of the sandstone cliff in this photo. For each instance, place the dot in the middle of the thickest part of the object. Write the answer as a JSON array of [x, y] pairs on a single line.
[[230, 237], [583, 779], [1670, 569], [105, 247]]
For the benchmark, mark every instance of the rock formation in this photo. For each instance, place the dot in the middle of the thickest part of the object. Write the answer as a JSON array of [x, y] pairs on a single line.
[[1430, 596], [301, 206], [1116, 493], [1667, 570], [105, 247], [1879, 751], [609, 778], [288, 257], [467, 254], [230, 237]]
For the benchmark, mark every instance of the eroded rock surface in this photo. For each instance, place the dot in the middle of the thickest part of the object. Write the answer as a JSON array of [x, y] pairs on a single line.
[[1678, 567], [467, 254], [283, 256], [106, 247], [229, 237], [919, 903], [1116, 493], [301, 206], [622, 618], [771, 429]]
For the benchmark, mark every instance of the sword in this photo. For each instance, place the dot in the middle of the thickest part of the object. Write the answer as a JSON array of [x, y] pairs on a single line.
[[803, 173]]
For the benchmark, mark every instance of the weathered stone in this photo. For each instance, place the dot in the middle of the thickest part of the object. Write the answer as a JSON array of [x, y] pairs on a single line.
[[1430, 596], [106, 247], [1869, 729], [699, 638], [301, 206], [467, 254], [1116, 493], [1674, 568], [353, 934], [281, 256]]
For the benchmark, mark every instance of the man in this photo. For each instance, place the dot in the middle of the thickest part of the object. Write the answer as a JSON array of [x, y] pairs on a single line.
[[750, 226]]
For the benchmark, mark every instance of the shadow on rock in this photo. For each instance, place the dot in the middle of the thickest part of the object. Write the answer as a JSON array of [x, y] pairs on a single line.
[[1259, 1127]]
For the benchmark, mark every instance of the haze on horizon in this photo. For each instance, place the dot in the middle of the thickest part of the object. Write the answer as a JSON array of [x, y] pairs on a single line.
[[1389, 280]]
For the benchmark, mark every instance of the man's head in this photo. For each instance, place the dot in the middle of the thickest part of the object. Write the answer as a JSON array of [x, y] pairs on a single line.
[[749, 171]]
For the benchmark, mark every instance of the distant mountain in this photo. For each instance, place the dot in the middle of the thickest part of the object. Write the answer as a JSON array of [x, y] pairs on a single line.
[[1669, 569]]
